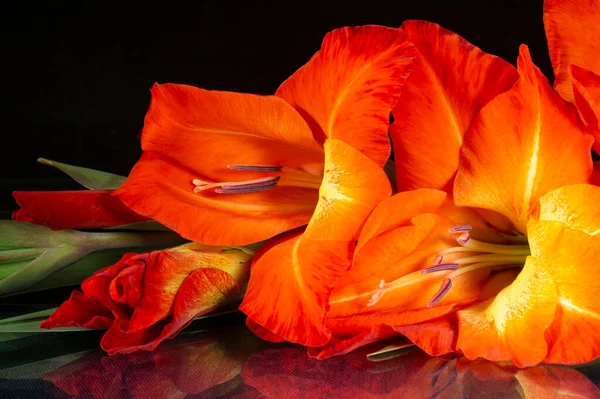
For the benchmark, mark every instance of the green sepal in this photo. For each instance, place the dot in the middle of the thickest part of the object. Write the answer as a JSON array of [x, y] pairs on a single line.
[[88, 178], [34, 271], [55, 250], [150, 225]]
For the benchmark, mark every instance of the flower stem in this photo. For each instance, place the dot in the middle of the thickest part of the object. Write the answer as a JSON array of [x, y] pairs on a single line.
[[99, 241]]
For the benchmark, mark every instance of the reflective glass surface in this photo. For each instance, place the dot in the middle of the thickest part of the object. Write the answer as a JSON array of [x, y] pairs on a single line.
[[230, 362]]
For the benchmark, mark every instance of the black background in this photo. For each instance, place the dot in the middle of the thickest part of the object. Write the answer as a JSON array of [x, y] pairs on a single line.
[[76, 79]]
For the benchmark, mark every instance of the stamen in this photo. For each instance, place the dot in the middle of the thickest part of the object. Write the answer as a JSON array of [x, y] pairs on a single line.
[[459, 229], [444, 288], [498, 259], [255, 168], [482, 265], [439, 268], [438, 260], [478, 246], [377, 294], [248, 186]]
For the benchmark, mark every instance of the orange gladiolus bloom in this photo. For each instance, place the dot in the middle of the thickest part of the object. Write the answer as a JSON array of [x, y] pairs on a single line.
[[573, 32], [235, 169], [494, 252]]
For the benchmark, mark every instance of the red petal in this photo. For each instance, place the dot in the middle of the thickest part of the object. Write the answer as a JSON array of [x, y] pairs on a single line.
[[167, 274], [98, 285], [450, 82], [127, 286], [342, 346], [436, 337], [80, 311], [204, 290], [118, 341], [263, 332], [572, 29], [586, 91], [85, 209], [348, 89]]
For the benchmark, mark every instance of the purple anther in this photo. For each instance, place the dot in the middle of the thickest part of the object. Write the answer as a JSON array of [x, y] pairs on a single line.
[[437, 261], [255, 168], [244, 188], [459, 229], [444, 288], [243, 191], [439, 268]]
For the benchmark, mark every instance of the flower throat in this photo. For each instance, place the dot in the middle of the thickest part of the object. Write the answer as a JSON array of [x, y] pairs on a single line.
[[469, 256]]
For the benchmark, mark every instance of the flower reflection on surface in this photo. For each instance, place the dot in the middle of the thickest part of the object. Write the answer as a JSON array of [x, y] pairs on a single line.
[[235, 364]]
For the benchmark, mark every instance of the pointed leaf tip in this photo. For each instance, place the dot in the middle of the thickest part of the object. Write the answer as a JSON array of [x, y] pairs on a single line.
[[89, 178]]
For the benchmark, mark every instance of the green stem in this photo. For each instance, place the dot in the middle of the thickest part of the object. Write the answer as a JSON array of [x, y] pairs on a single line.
[[99, 241]]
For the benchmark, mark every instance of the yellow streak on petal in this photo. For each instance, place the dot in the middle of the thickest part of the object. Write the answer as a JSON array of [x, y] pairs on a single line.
[[571, 306], [531, 173]]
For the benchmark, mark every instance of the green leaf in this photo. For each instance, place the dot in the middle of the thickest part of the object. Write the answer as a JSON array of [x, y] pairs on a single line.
[[33, 326], [88, 178], [42, 315], [150, 225], [51, 261]]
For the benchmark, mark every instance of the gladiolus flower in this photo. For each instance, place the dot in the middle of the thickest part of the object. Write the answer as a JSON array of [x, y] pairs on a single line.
[[498, 266], [233, 169], [147, 298], [573, 32]]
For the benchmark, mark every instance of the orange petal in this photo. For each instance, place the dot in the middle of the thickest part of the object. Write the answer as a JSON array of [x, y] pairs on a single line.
[[161, 189], [572, 259], [511, 326], [352, 186], [450, 82], [190, 133], [402, 236], [348, 89], [292, 277], [523, 144], [575, 206], [572, 30], [586, 91]]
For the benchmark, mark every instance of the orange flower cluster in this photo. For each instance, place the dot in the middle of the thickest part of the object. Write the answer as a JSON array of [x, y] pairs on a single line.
[[488, 244]]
